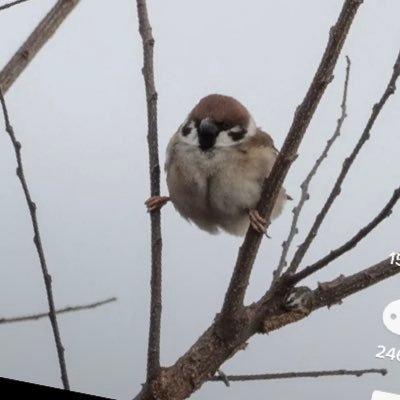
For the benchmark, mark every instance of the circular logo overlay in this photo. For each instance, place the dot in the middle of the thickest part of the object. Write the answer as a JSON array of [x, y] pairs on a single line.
[[391, 317]]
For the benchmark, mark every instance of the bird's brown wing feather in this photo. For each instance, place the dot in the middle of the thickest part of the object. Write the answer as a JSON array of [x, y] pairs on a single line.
[[262, 138]]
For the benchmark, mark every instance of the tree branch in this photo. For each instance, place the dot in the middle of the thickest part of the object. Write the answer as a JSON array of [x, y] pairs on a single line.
[[34, 317], [333, 292], [11, 4], [302, 249], [153, 355], [236, 323], [240, 278], [38, 244], [306, 184], [350, 244], [206, 355], [294, 375], [36, 40]]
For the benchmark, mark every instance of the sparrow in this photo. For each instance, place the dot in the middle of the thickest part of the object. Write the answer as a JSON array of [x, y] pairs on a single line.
[[216, 164], [300, 299]]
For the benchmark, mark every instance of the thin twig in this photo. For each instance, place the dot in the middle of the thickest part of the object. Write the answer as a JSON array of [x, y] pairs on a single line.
[[34, 317], [234, 297], [11, 4], [38, 244], [295, 375], [350, 244], [306, 184], [36, 40], [153, 355], [302, 249]]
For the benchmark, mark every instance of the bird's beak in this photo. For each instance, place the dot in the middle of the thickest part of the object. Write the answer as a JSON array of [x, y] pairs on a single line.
[[208, 132]]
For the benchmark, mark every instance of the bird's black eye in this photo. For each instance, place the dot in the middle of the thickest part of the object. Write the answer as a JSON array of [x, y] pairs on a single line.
[[237, 135], [225, 126], [186, 130]]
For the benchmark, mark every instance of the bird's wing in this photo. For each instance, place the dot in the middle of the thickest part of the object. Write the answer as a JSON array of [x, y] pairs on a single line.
[[262, 138], [170, 151]]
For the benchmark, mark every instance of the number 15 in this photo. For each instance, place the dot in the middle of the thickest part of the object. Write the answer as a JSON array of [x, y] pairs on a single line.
[[395, 259]]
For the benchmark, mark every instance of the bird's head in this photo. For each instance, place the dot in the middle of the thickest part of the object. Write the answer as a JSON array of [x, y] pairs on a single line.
[[217, 121]]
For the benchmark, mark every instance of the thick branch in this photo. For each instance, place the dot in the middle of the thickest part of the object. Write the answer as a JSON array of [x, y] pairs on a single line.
[[330, 293], [153, 355], [302, 249], [306, 183], [38, 244], [304, 113], [295, 375], [350, 244], [36, 40], [34, 317], [211, 350]]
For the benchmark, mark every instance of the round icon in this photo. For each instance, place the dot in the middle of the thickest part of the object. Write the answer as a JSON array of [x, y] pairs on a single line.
[[391, 317]]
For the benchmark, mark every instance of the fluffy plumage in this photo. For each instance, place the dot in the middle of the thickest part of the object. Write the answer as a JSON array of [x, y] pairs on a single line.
[[216, 164]]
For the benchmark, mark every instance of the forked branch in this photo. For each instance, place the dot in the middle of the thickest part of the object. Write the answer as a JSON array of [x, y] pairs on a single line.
[[333, 293], [237, 288], [237, 323], [208, 353], [351, 243], [348, 162], [306, 183]]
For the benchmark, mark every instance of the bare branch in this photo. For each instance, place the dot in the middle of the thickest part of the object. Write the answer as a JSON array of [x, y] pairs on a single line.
[[36, 40], [350, 244], [236, 323], [302, 249], [205, 356], [233, 302], [34, 317], [330, 293], [295, 375], [306, 184], [11, 4], [38, 244], [153, 355]]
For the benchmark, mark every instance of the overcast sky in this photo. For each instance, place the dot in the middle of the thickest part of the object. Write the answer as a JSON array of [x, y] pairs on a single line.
[[79, 112]]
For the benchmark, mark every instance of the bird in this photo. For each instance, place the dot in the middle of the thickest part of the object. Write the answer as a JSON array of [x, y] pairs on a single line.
[[300, 299], [216, 164]]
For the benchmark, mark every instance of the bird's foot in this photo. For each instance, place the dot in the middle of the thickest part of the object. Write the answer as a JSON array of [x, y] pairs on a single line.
[[258, 223], [156, 202]]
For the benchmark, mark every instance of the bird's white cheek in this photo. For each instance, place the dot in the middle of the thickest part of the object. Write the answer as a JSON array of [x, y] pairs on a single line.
[[191, 138], [224, 140]]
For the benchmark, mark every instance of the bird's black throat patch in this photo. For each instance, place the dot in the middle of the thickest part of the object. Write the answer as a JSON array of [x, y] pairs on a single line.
[[206, 142]]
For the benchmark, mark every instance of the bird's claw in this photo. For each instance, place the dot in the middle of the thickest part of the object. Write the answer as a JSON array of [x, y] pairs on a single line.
[[156, 202], [258, 223]]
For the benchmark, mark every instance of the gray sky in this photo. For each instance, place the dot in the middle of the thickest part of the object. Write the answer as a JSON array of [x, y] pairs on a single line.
[[79, 112]]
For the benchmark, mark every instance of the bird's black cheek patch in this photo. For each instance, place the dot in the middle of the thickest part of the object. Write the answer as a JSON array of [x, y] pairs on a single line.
[[186, 130], [236, 136]]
